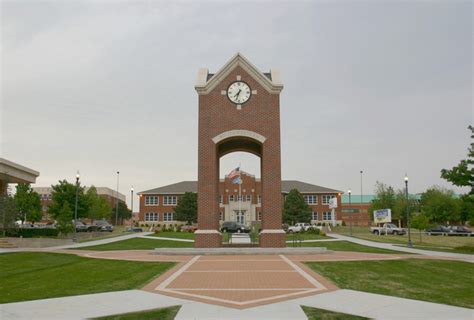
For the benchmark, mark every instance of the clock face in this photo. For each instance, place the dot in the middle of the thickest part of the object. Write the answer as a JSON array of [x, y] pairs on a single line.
[[239, 92]]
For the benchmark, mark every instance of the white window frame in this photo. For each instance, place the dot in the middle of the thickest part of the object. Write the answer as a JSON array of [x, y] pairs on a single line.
[[327, 216], [248, 198], [168, 216], [326, 198], [259, 199], [149, 202], [240, 198], [152, 216], [311, 199], [314, 215], [259, 216], [221, 216], [231, 198], [170, 200], [221, 199]]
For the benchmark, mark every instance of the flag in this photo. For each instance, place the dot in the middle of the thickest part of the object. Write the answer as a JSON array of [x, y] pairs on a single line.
[[234, 173], [237, 180]]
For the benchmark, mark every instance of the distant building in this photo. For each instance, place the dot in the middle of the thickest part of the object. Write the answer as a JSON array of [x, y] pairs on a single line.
[[157, 205], [46, 197]]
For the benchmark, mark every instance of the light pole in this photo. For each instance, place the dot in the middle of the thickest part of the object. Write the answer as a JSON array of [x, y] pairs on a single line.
[[361, 192], [116, 199], [75, 206], [131, 205], [410, 244], [350, 213]]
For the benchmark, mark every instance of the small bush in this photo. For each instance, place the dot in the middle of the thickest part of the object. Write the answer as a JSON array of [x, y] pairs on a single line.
[[313, 231], [31, 232], [343, 223]]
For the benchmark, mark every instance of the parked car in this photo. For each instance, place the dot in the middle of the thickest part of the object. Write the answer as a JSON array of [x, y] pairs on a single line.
[[101, 225], [388, 228], [438, 230], [232, 226], [188, 228], [460, 231], [134, 229], [81, 227]]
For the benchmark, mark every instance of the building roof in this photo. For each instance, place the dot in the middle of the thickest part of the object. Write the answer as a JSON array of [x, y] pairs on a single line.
[[286, 185], [367, 198], [11, 172]]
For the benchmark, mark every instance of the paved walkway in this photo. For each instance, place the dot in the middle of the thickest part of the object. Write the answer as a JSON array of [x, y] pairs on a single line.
[[390, 246], [369, 305]]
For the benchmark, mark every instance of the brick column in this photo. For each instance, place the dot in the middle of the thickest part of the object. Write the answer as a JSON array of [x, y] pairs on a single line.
[[208, 235], [272, 234]]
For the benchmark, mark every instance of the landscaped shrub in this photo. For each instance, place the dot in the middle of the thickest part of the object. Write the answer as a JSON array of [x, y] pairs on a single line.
[[31, 232], [314, 231]]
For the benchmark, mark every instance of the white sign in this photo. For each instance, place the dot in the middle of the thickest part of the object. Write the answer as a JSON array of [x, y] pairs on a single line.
[[333, 203], [382, 215]]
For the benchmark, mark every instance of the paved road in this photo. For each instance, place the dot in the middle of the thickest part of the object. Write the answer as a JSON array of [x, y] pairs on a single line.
[[390, 246], [369, 305]]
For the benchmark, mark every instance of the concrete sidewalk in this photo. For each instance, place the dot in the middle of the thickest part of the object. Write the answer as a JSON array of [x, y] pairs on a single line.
[[364, 304], [390, 246]]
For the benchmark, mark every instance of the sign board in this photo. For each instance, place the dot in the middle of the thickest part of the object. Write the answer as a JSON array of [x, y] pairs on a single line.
[[382, 215], [333, 203], [355, 210]]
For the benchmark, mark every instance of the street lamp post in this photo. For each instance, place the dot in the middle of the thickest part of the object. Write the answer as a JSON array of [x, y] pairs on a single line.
[[410, 244], [75, 206], [361, 191], [116, 199], [350, 213], [131, 205]]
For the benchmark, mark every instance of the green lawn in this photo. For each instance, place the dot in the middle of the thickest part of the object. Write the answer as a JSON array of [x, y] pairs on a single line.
[[29, 276], [172, 234], [320, 314], [140, 244], [161, 314], [440, 281], [304, 236], [345, 246]]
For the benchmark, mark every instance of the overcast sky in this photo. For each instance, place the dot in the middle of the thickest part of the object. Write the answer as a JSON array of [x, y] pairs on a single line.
[[100, 86]]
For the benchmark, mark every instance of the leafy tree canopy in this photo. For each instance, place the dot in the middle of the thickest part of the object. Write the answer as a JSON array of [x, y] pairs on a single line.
[[295, 208], [8, 212], [462, 175], [123, 211], [440, 205], [98, 208], [28, 203], [66, 192], [186, 210], [64, 219]]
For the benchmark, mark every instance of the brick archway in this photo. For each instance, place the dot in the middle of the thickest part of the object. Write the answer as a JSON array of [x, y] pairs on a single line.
[[226, 127]]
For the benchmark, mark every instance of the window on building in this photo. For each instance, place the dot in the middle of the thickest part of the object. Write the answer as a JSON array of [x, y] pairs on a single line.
[[168, 216], [327, 197], [259, 216], [240, 198], [50, 196], [151, 200], [221, 199], [314, 215], [45, 208], [327, 216], [151, 216], [221, 216], [259, 199], [311, 199], [248, 198], [170, 200], [231, 198]]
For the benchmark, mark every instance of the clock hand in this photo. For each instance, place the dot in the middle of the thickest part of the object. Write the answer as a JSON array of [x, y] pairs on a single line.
[[237, 93]]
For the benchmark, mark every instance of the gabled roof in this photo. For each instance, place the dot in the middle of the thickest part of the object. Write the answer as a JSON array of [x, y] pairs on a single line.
[[206, 82], [286, 186], [303, 187]]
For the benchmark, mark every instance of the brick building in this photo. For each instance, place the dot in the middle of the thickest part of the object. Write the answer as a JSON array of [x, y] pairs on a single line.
[[157, 205], [103, 192]]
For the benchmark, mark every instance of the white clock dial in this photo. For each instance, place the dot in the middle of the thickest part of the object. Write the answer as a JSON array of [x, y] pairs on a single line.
[[239, 92]]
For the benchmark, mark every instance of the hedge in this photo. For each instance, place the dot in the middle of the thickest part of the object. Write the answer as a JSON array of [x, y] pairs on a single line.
[[31, 232]]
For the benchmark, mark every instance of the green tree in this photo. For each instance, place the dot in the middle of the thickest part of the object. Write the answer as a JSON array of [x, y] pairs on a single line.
[[420, 222], [186, 210], [28, 203], [8, 212], [64, 219], [98, 207], [399, 210], [66, 192], [440, 205], [123, 212], [467, 208], [462, 175], [295, 208]]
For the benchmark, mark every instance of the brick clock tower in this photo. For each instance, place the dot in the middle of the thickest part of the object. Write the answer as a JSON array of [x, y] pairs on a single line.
[[239, 110]]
